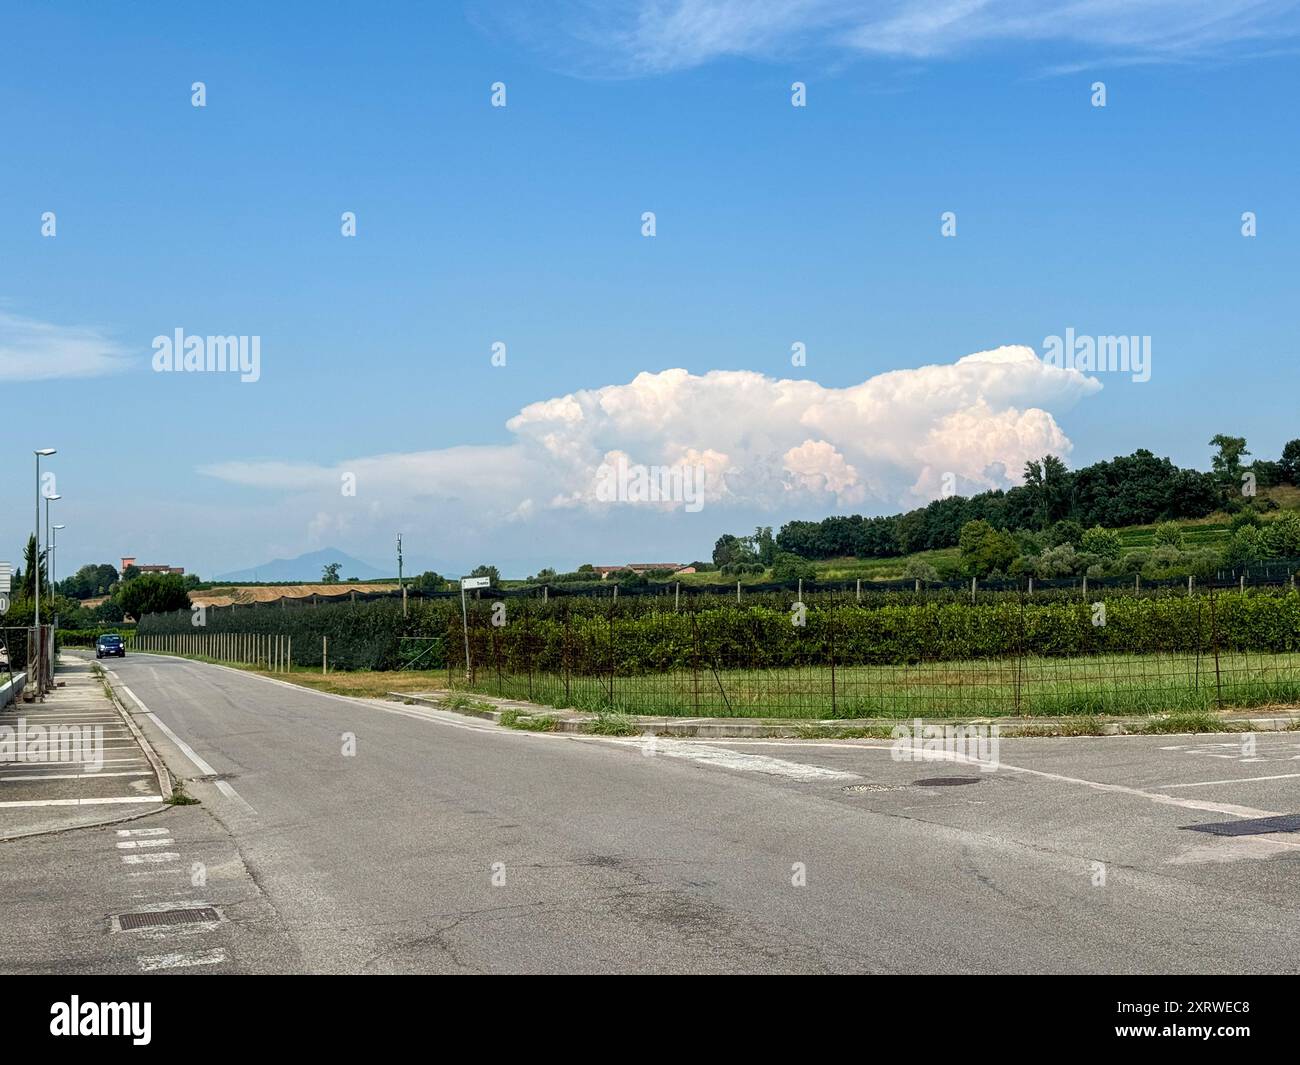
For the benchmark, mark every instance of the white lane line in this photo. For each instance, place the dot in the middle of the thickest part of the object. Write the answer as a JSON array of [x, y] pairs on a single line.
[[186, 749], [131, 844], [150, 859], [222, 786], [88, 775], [81, 802], [1237, 780], [154, 962], [722, 758]]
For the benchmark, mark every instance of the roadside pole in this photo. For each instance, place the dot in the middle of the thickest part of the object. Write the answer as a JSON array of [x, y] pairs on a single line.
[[469, 583]]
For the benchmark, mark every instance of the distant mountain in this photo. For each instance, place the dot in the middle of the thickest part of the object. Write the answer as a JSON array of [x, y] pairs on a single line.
[[307, 568]]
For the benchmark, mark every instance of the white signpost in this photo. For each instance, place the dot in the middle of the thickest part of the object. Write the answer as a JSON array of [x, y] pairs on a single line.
[[469, 584]]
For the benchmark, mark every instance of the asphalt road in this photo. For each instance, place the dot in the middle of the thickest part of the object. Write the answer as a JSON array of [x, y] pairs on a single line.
[[339, 835]]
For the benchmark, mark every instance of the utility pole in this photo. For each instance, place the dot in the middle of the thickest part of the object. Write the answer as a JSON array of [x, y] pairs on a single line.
[[400, 585]]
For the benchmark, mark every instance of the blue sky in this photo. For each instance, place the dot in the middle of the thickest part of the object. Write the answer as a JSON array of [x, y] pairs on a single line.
[[522, 224]]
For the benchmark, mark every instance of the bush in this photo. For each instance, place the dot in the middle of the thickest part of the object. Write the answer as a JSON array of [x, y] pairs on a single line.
[[787, 567], [1168, 534]]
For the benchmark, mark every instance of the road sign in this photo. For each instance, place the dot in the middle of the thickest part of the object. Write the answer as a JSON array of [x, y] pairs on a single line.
[[4, 603], [6, 572], [468, 584]]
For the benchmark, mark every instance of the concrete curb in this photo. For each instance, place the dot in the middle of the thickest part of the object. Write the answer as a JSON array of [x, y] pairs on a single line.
[[491, 708]]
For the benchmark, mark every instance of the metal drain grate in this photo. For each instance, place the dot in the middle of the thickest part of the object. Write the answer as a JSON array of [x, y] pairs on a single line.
[[162, 918], [855, 788], [946, 782]]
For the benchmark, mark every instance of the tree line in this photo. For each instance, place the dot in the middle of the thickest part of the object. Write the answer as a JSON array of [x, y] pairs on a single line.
[[1136, 489]]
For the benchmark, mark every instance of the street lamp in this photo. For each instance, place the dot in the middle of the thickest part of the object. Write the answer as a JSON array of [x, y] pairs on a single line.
[[54, 554], [49, 565], [41, 453]]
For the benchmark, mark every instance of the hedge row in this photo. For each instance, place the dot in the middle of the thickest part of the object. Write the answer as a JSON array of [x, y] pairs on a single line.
[[369, 635]]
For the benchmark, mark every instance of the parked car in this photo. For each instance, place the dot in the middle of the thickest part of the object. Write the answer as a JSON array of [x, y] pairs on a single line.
[[109, 645]]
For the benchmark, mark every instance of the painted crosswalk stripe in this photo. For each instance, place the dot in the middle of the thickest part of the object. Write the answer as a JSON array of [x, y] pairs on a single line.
[[133, 844], [722, 758], [141, 859], [15, 803], [154, 962]]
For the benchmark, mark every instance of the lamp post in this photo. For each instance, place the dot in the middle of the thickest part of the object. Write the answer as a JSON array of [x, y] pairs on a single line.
[[41, 453], [400, 584], [54, 554], [49, 565]]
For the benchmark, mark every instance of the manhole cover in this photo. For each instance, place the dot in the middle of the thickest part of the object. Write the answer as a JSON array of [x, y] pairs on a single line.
[[854, 788], [162, 918], [946, 782]]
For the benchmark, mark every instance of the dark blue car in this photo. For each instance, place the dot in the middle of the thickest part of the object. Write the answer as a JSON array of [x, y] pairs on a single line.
[[107, 646]]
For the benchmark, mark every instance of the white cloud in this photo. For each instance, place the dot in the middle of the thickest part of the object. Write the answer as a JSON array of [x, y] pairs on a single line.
[[31, 350], [767, 446], [654, 36]]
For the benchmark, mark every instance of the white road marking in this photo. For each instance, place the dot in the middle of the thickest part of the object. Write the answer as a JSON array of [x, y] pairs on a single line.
[[222, 786], [142, 859], [144, 831], [132, 844], [88, 775], [725, 759], [81, 802], [185, 748], [1238, 780], [155, 962], [1120, 789]]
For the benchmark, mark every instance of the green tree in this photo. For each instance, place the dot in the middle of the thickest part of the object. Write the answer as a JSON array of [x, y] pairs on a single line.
[[1226, 463], [985, 549], [428, 581], [788, 568], [491, 572], [1282, 535], [154, 593], [1245, 518], [728, 549], [27, 587], [1104, 543], [1246, 546], [1290, 462], [763, 544], [918, 570], [329, 574], [1168, 534]]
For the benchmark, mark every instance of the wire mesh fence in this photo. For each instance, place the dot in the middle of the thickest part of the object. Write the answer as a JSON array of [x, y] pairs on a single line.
[[695, 664]]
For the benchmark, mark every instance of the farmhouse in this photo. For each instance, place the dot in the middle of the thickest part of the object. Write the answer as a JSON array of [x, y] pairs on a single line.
[[643, 567], [129, 560]]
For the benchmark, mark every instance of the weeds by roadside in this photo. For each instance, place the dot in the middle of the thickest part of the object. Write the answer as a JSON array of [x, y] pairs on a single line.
[[179, 797], [527, 722]]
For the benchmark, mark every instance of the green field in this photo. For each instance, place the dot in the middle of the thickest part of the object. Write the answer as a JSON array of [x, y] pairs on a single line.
[[1030, 687]]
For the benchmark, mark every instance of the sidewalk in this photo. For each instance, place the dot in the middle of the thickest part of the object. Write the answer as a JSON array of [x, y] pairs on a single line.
[[71, 761], [491, 707]]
